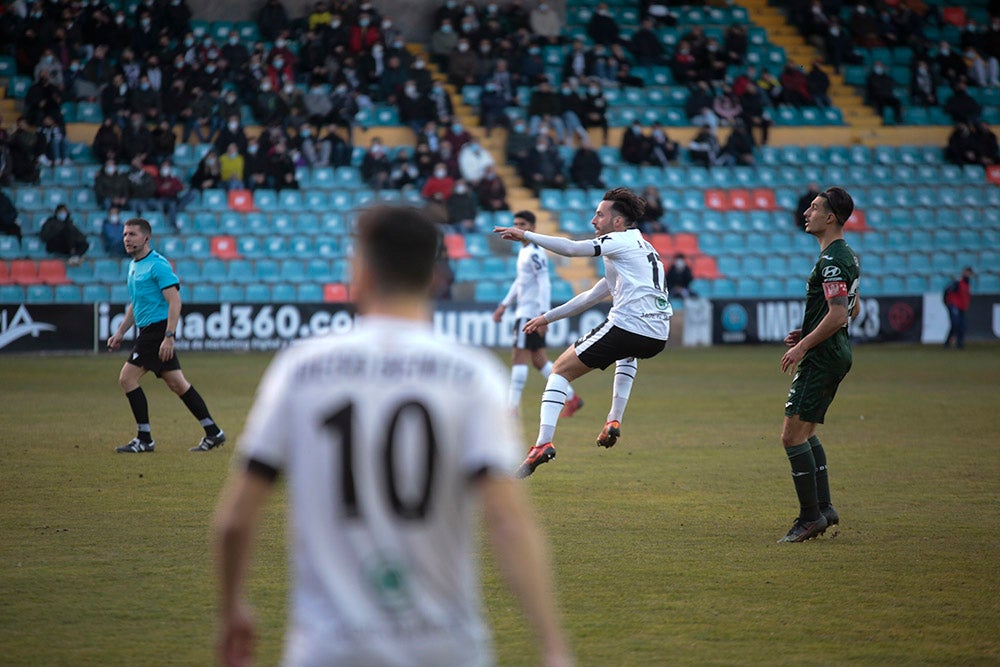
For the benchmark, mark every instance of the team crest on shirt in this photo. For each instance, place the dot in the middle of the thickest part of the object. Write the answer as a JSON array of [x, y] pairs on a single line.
[[662, 303], [390, 582]]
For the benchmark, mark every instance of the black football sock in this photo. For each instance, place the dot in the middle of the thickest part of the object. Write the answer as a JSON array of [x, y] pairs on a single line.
[[822, 475], [140, 410], [804, 477], [196, 404]]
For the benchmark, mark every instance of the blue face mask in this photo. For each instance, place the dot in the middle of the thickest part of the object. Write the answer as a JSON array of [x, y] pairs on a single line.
[[456, 128]]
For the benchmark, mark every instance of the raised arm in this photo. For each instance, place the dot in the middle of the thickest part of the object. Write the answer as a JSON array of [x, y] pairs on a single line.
[[577, 304], [556, 244]]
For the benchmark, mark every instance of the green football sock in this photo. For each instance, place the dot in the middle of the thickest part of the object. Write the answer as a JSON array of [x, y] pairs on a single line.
[[804, 477], [822, 474]]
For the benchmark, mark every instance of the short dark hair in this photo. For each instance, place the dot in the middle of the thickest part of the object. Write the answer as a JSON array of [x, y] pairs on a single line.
[[400, 246], [839, 202], [141, 223], [627, 203], [526, 215]]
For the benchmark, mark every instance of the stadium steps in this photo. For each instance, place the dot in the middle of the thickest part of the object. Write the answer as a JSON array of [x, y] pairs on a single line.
[[856, 113]]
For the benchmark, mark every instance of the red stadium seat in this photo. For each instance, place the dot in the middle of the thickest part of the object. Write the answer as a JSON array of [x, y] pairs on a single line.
[[993, 174], [663, 244], [24, 272], [52, 272], [224, 247], [5, 278], [704, 266], [857, 222], [455, 245], [242, 201], [716, 200], [686, 243], [336, 293], [739, 200], [763, 199]]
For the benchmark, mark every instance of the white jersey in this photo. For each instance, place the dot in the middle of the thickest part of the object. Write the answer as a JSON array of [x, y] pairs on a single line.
[[635, 276], [380, 433], [532, 288]]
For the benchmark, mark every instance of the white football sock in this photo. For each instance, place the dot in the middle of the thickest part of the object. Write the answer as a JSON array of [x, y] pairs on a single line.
[[546, 370], [518, 376], [625, 370], [553, 400]]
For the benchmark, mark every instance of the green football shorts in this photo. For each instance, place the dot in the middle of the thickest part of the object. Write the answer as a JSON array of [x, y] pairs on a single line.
[[813, 390]]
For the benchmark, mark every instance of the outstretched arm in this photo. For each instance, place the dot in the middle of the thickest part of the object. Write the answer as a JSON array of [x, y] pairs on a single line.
[[557, 244], [577, 304]]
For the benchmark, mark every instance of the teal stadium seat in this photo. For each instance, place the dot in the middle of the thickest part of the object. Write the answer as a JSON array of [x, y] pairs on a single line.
[[284, 293], [231, 293], [39, 294], [258, 293]]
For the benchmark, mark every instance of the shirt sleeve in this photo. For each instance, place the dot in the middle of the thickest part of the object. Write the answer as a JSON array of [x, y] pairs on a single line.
[[264, 436], [580, 302], [565, 247], [165, 276], [834, 277]]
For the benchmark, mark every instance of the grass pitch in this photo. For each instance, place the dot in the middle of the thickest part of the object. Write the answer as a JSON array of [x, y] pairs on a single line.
[[665, 546]]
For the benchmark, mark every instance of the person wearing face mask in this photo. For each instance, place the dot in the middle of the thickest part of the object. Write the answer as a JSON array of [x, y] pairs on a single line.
[[462, 207], [545, 24], [208, 174], [145, 36], [376, 166], [863, 26], [235, 53], [111, 233], [646, 46], [363, 35], [110, 186], [64, 238], [457, 136], [519, 143], [443, 42], [585, 168], [463, 65], [272, 20], [923, 85], [175, 17], [169, 189], [679, 279], [415, 109], [440, 184], [49, 64], [879, 87], [473, 161], [602, 27], [544, 167], [269, 107], [231, 133], [146, 101], [255, 166], [231, 168]]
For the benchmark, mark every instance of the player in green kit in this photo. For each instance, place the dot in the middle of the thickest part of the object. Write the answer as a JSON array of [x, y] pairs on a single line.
[[819, 355]]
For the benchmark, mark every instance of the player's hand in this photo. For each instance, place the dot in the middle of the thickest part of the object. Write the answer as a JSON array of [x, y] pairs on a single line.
[[791, 359], [114, 342], [539, 324], [793, 337], [498, 313], [166, 349], [237, 638], [509, 233]]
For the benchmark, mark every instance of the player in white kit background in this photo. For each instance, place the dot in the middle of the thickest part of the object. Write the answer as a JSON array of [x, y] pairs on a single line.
[[531, 291], [387, 437], [637, 326]]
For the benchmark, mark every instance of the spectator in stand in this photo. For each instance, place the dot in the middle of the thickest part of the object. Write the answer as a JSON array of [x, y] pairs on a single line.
[[986, 140], [208, 174], [317, 102], [231, 168], [545, 24], [818, 86], [268, 106], [864, 27], [684, 64], [457, 136], [112, 228], [770, 87], [962, 107], [272, 20], [198, 116], [726, 105], [111, 187], [332, 149], [443, 42], [232, 133], [837, 44], [635, 145], [473, 160], [64, 238], [951, 65], [439, 185], [983, 72], [107, 141], [281, 168], [491, 192], [492, 105], [519, 143], [141, 186], [43, 98], [754, 112], [450, 159], [602, 27], [578, 62], [923, 85], [463, 65], [531, 67], [803, 205], [255, 166], [662, 151], [164, 142], [25, 149], [52, 142], [137, 140], [736, 44], [740, 145], [679, 278], [425, 159], [10, 221], [228, 106], [705, 150], [545, 108], [592, 108], [585, 168], [646, 46], [462, 208], [795, 86], [168, 192], [880, 93], [650, 222], [699, 105], [51, 68], [364, 35], [375, 166], [544, 167], [714, 62], [404, 174]]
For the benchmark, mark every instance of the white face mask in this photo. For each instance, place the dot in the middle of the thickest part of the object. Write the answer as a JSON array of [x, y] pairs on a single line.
[[232, 126], [61, 215], [440, 173], [110, 171], [165, 171]]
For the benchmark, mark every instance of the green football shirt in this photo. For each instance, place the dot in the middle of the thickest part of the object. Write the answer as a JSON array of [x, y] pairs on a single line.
[[837, 273]]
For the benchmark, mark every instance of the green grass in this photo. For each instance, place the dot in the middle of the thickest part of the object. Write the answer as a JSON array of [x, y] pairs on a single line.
[[664, 546]]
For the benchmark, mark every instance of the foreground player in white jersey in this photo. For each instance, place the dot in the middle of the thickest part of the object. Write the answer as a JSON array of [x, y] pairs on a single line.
[[638, 324], [388, 436], [531, 291]]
